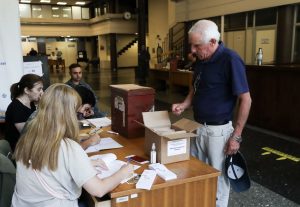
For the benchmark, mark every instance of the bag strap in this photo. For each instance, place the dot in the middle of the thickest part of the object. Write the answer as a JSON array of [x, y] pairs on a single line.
[[47, 187]]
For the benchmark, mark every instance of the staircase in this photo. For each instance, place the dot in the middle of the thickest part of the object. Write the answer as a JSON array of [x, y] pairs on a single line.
[[129, 45]]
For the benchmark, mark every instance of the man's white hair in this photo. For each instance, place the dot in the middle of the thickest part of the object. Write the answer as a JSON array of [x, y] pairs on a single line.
[[207, 29]]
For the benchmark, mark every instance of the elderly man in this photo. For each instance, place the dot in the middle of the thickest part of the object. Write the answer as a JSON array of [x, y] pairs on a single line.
[[219, 83], [76, 80]]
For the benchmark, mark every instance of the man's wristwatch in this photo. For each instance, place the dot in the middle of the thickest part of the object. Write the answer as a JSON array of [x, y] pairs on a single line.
[[237, 138]]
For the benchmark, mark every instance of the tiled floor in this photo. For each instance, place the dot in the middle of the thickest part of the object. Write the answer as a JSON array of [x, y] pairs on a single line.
[[275, 183]]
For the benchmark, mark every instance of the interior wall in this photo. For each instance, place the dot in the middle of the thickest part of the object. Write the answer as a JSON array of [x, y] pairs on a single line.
[[103, 51], [158, 25], [130, 57], [68, 49], [171, 12], [78, 28], [195, 9], [236, 40], [26, 47], [88, 49], [265, 39], [249, 59]]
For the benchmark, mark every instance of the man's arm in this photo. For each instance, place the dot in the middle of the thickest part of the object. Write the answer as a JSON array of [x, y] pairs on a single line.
[[242, 116], [242, 113]]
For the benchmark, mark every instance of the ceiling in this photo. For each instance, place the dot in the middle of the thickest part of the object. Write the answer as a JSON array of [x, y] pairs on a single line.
[[69, 2]]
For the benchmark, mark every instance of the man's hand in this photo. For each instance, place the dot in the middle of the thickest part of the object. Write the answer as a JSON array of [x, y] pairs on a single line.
[[177, 109], [86, 110], [231, 147]]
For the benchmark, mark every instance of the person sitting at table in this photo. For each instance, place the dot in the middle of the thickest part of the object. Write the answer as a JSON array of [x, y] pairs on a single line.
[[52, 168], [24, 95], [85, 111], [76, 80]]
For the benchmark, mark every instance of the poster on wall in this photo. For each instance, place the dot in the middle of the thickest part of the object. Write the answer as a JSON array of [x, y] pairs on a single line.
[[11, 63]]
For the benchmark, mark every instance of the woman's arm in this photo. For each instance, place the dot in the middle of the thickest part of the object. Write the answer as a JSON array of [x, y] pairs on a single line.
[[99, 187]]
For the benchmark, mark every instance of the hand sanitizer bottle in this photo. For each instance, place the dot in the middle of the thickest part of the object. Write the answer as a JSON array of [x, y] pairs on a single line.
[[153, 154]]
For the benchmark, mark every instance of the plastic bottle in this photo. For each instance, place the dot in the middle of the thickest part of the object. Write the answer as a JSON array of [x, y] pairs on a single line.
[[153, 154], [259, 56]]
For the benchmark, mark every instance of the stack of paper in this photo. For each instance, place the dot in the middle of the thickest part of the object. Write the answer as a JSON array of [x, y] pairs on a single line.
[[105, 143], [100, 122], [146, 180]]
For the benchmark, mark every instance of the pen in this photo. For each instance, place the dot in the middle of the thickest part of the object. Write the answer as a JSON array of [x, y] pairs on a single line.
[[96, 130], [112, 132]]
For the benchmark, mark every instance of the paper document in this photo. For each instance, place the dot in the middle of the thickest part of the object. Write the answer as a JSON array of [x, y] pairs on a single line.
[[176, 147], [146, 180], [105, 143], [163, 171], [112, 164], [100, 122], [34, 67]]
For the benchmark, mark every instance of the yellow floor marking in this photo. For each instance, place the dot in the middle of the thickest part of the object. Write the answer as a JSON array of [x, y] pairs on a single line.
[[283, 156]]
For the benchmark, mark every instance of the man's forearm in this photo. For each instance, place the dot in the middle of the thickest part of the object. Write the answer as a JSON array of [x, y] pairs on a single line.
[[188, 100], [242, 113]]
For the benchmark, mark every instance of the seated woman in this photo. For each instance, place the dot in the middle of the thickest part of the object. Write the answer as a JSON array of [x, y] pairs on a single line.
[[86, 111], [52, 167], [24, 95]]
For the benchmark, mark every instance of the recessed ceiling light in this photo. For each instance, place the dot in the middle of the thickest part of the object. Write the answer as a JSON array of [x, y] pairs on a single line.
[[45, 1], [55, 8], [80, 3], [25, 1], [61, 3]]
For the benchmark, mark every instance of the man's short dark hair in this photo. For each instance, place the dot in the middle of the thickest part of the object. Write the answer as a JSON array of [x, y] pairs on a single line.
[[87, 96], [74, 65]]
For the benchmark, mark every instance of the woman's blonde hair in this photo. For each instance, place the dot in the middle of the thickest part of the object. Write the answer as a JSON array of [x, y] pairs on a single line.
[[55, 121]]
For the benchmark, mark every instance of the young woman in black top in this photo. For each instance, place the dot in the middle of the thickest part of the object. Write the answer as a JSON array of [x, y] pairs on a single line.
[[24, 94]]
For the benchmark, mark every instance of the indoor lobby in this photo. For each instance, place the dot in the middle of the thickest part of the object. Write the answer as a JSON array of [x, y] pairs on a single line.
[[106, 37]]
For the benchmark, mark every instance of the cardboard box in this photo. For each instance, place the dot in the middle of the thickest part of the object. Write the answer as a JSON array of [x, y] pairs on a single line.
[[128, 101], [170, 146]]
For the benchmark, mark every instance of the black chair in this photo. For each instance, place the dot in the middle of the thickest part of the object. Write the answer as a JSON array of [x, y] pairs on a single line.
[[7, 174]]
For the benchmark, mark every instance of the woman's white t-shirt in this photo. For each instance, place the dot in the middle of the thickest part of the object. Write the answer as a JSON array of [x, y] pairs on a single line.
[[74, 169]]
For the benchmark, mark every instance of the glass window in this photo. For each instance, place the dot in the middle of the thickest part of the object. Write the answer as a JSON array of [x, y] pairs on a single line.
[[235, 22], [76, 12], [25, 10], [56, 12], [36, 11], [85, 13], [265, 17], [67, 12], [297, 45], [250, 18], [46, 11]]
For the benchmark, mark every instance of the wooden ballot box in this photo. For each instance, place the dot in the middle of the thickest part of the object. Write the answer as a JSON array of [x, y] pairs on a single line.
[[128, 101]]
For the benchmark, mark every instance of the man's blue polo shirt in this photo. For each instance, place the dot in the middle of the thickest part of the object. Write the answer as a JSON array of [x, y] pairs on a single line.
[[217, 83]]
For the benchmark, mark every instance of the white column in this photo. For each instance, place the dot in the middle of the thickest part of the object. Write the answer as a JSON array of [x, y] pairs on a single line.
[[11, 62]]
